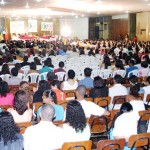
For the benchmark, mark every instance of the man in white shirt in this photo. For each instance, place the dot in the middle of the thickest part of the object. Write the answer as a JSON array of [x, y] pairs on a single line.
[[117, 90], [89, 108], [45, 135]]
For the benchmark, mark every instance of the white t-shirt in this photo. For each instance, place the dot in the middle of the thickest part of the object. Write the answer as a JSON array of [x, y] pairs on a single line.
[[67, 86], [72, 136], [43, 136], [117, 90], [91, 108], [146, 92], [126, 125]]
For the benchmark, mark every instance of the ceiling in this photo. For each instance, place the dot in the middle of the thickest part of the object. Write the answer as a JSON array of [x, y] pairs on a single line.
[[70, 8]]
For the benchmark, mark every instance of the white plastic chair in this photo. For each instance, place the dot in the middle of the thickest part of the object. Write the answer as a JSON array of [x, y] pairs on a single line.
[[120, 72], [38, 67], [95, 73], [145, 72], [43, 76], [25, 69], [10, 67], [61, 76], [33, 77], [5, 76], [106, 73], [20, 75], [133, 72]]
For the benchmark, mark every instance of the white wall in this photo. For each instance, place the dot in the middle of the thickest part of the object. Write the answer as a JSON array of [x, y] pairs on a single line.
[[79, 27], [123, 16]]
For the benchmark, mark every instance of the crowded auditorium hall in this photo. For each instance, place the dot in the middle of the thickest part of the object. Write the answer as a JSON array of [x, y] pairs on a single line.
[[74, 75]]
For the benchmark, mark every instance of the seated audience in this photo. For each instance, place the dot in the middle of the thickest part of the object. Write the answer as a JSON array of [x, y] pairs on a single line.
[[54, 137], [33, 68], [25, 61], [5, 69], [61, 67], [49, 97], [14, 80], [71, 83], [75, 128], [131, 67], [126, 123], [100, 89], [106, 63], [89, 108], [134, 99], [87, 81], [24, 85], [119, 65], [6, 98], [18, 66], [9, 137], [55, 86], [50, 63], [21, 111], [42, 86], [143, 71], [117, 90], [51, 76]]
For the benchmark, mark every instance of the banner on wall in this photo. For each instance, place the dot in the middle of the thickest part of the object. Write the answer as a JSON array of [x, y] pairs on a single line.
[[46, 26], [17, 27], [32, 25]]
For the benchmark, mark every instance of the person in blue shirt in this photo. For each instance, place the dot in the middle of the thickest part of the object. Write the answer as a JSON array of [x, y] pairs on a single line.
[[131, 67], [87, 81], [49, 97]]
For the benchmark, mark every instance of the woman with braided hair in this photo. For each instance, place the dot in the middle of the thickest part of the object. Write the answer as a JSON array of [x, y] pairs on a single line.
[[9, 138]]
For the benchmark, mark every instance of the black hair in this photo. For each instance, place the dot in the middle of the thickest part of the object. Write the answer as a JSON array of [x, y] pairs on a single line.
[[133, 79], [125, 107], [8, 129], [50, 94], [14, 72], [33, 65], [18, 66], [5, 69], [99, 83], [46, 62], [71, 74], [51, 76], [25, 58], [4, 89], [87, 72], [148, 79], [144, 64], [118, 78], [106, 62], [61, 64], [134, 90], [119, 64], [56, 83], [75, 116]]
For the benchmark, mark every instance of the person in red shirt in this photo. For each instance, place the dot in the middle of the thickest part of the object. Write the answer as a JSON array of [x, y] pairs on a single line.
[[55, 86], [135, 39]]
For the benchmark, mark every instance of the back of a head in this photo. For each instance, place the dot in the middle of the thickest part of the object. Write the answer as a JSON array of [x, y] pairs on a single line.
[[99, 83], [133, 79], [14, 72], [18, 66], [71, 74], [33, 66], [51, 95], [47, 112], [134, 90], [131, 62], [56, 83], [8, 129], [51, 76], [144, 64], [81, 89], [126, 107], [118, 78], [148, 79], [20, 102], [4, 89], [75, 115], [61, 64], [25, 58], [119, 64], [46, 62], [87, 72]]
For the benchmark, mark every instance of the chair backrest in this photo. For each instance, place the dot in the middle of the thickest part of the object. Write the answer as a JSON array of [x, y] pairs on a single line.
[[38, 67], [139, 140], [33, 77], [95, 73], [25, 69], [61, 76], [5, 76], [118, 100], [144, 116], [22, 126], [145, 72], [63, 103], [13, 88], [43, 75], [120, 72], [133, 72], [70, 93], [105, 73], [148, 99], [5, 107], [89, 99], [111, 144], [83, 145], [103, 101], [20, 75], [37, 105]]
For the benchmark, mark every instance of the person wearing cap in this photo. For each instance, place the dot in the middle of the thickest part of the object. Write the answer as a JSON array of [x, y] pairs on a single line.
[[87, 81]]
